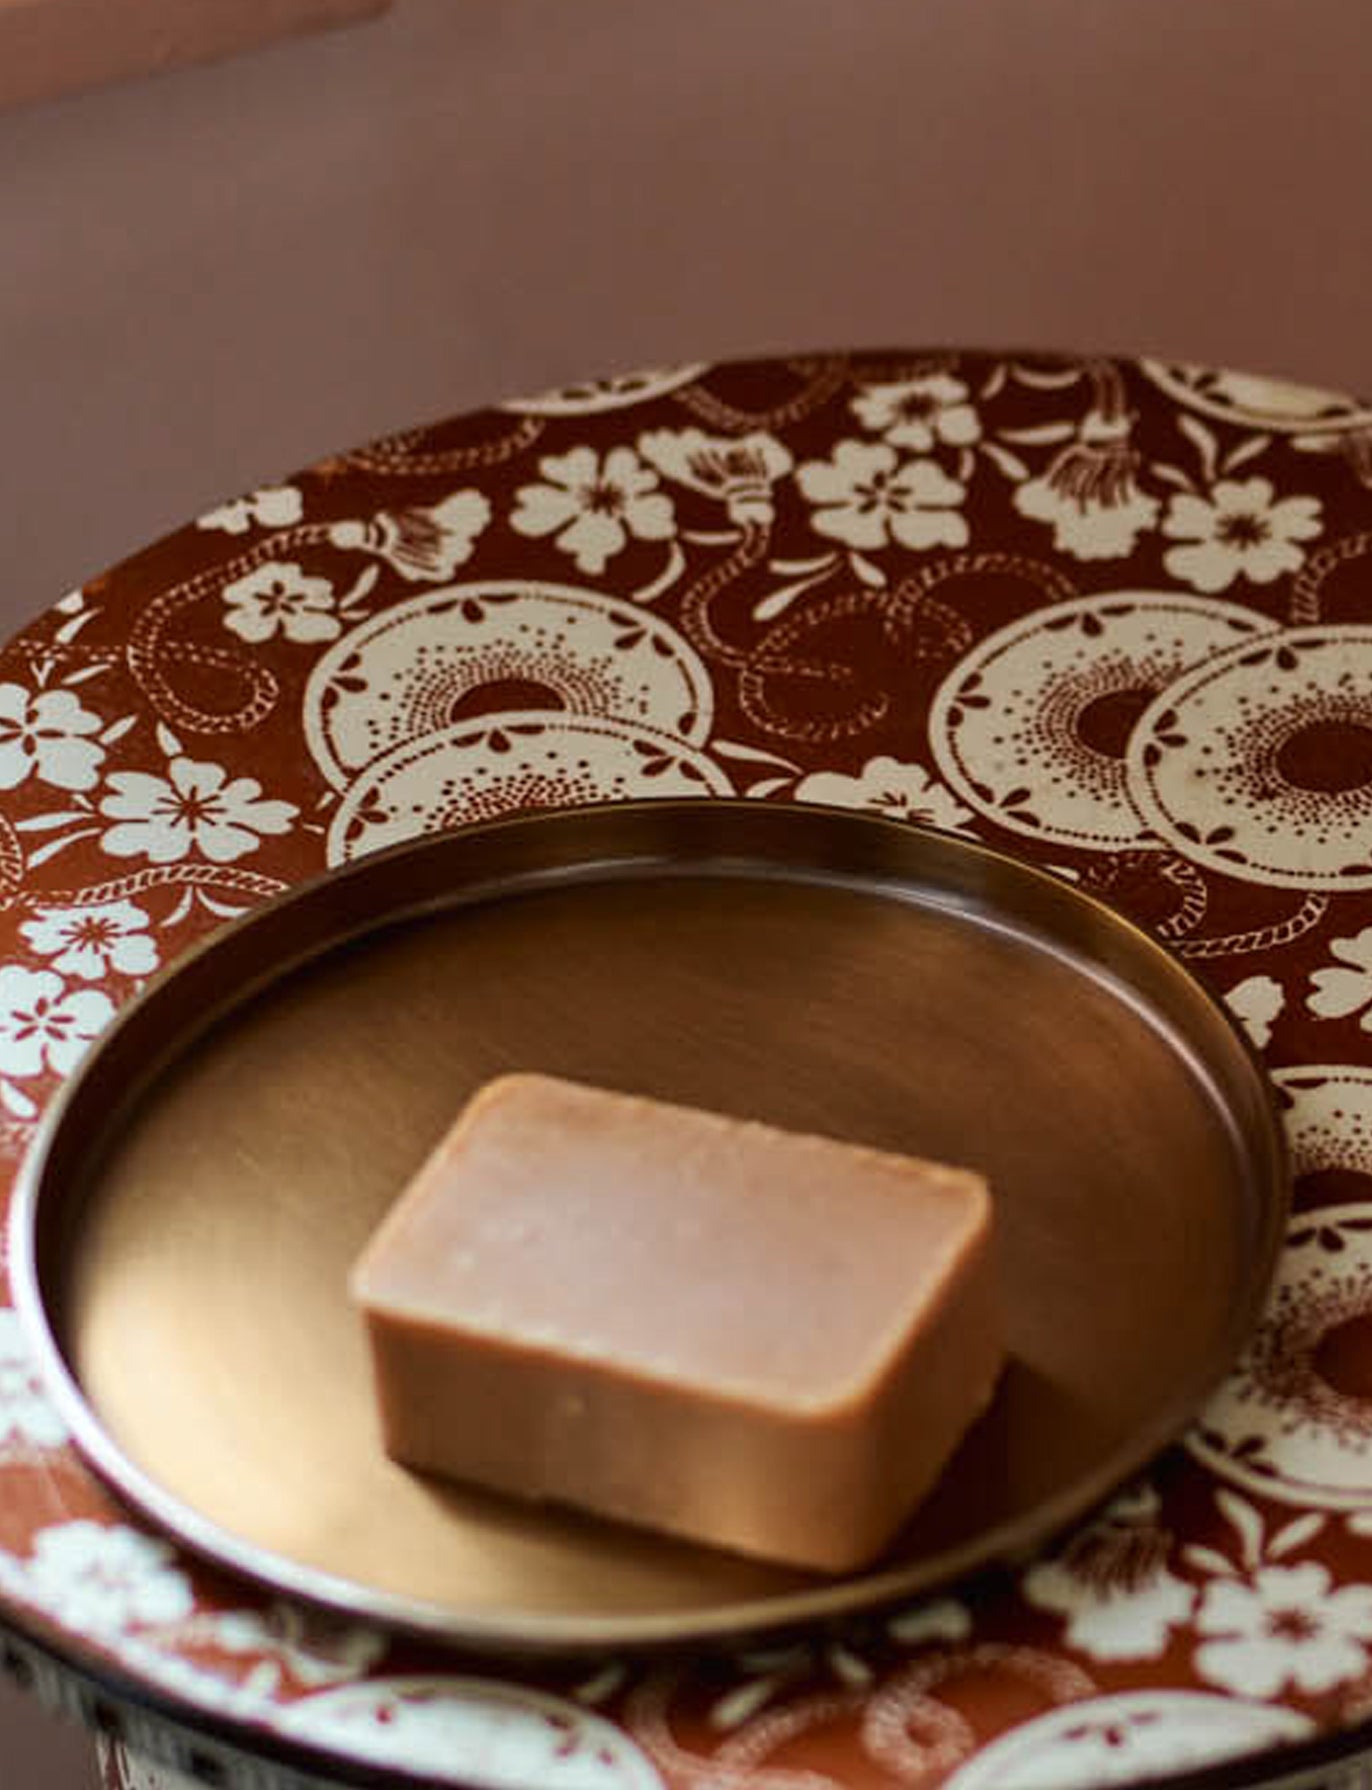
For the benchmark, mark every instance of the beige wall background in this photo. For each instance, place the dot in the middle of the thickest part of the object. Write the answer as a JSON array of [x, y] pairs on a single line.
[[213, 276], [217, 274]]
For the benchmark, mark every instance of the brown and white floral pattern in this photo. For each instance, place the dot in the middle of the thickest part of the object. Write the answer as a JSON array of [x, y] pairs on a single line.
[[1031, 726], [592, 507], [1258, 761], [1294, 1421], [1256, 400], [518, 759], [48, 735], [507, 1737], [466, 650], [1239, 528], [1090, 492], [1109, 616], [867, 496], [1125, 1739], [615, 391], [273, 506], [885, 786]]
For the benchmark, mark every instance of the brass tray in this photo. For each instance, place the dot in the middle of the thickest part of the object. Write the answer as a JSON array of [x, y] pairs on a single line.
[[186, 1221]]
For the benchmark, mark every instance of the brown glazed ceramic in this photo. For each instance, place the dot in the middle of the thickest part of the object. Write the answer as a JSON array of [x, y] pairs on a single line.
[[1110, 619]]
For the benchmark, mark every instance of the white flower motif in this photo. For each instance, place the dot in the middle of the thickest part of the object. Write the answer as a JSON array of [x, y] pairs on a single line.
[[1090, 494], [917, 413], [278, 597], [1286, 1627], [314, 1649], [1275, 397], [592, 506], [941, 1619], [1257, 1001], [194, 808], [47, 733], [1112, 1620], [103, 1580], [422, 544], [271, 506], [1112, 1583], [738, 470], [26, 1415], [1343, 991], [43, 1024], [506, 1734], [1241, 529], [90, 941], [902, 791], [866, 497]]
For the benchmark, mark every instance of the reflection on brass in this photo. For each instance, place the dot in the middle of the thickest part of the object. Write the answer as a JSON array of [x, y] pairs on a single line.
[[186, 1226]]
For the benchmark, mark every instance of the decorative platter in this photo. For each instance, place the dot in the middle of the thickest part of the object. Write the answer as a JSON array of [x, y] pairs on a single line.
[[1111, 618]]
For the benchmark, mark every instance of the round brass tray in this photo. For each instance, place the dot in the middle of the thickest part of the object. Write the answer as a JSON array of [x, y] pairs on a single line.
[[186, 1221]]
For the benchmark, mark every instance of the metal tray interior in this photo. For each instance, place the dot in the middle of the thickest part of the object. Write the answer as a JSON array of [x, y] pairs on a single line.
[[185, 1224]]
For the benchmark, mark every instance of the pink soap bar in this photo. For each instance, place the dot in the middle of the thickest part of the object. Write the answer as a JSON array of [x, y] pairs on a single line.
[[765, 1341]]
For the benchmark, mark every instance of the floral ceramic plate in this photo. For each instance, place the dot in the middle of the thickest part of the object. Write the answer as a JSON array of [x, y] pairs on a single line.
[[1111, 617]]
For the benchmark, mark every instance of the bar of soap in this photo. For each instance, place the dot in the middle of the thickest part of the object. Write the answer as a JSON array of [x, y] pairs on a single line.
[[765, 1341]]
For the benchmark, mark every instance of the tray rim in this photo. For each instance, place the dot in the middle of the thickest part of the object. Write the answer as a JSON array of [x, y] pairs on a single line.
[[546, 1635]]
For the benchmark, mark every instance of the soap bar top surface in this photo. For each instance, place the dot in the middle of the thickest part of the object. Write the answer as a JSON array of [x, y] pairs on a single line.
[[673, 1244]]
